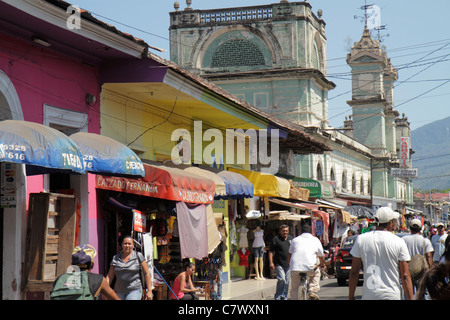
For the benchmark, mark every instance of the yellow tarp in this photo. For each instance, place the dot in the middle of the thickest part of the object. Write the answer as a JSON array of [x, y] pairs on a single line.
[[265, 184]]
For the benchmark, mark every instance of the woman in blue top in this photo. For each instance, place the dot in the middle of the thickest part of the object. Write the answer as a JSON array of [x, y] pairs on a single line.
[[126, 267]]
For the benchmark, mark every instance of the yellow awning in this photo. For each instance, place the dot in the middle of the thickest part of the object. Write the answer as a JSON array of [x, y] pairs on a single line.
[[265, 184]]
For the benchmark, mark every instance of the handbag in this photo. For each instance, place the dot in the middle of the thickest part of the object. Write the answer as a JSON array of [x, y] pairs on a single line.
[[418, 265]]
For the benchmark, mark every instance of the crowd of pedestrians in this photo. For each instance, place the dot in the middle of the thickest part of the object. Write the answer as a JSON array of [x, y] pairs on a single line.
[[387, 260], [384, 257]]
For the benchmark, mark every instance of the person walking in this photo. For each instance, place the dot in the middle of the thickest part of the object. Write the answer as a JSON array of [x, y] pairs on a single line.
[[418, 245], [438, 242], [304, 251], [384, 257], [279, 261], [434, 284], [126, 268], [91, 285]]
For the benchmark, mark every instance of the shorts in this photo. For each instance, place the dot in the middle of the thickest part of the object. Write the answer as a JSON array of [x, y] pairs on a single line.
[[258, 252]]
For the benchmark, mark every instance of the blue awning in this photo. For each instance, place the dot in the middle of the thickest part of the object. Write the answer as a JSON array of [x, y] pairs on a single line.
[[41, 148], [237, 186], [106, 156]]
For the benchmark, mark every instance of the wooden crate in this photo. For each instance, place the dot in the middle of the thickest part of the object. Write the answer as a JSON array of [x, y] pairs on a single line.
[[50, 239]]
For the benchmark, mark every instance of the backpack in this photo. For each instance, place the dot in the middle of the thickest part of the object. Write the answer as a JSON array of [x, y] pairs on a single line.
[[72, 286], [418, 265]]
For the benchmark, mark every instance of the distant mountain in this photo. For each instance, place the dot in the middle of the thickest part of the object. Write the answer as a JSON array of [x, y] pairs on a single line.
[[431, 144]]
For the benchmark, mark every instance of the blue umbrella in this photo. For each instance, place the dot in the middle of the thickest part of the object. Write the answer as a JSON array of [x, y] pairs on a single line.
[[44, 148], [106, 156]]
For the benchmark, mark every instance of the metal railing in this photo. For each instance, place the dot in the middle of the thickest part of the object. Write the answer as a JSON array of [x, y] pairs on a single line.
[[236, 14]]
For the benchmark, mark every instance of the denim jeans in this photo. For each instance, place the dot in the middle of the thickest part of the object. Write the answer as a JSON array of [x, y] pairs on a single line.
[[132, 295], [283, 276]]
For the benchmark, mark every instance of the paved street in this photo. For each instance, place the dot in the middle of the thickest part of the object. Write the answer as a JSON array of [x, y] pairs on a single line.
[[329, 290], [264, 290]]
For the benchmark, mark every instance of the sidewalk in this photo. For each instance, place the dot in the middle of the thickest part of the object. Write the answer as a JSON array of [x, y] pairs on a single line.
[[249, 289]]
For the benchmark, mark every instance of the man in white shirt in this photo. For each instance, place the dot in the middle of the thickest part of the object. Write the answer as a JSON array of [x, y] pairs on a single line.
[[383, 255], [417, 244], [438, 242], [303, 254]]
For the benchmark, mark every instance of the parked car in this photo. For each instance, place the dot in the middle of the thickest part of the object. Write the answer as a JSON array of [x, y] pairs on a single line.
[[343, 262]]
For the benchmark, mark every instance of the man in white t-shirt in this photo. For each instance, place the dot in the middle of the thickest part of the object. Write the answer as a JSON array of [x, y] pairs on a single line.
[[438, 242], [303, 254], [417, 244], [383, 255]]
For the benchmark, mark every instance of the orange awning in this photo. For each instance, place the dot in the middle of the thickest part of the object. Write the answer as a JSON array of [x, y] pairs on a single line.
[[164, 183]]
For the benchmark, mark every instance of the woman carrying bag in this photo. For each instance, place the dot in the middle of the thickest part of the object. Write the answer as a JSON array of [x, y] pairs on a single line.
[[126, 268]]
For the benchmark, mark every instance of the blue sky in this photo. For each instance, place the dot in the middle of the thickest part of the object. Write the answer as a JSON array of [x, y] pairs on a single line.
[[417, 39]]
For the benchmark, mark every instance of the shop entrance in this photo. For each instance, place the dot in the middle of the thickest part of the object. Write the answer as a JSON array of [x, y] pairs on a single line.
[[119, 224]]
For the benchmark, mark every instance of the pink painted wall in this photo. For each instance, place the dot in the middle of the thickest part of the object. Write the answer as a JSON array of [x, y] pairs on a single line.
[[41, 76]]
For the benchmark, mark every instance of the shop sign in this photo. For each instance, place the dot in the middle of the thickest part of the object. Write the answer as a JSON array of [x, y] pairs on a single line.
[[405, 172], [139, 221], [404, 152], [126, 185], [150, 189], [314, 186], [8, 186]]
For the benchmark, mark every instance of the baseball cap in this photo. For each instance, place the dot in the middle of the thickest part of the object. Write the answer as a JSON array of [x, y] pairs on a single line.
[[385, 214], [416, 223], [83, 255]]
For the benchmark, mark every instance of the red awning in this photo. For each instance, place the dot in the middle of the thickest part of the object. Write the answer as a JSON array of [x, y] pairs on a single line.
[[164, 183]]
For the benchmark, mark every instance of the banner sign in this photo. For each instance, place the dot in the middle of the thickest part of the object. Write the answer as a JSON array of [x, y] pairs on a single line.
[[404, 152]]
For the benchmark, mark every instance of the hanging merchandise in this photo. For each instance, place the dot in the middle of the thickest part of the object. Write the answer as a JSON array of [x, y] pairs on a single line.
[[193, 230], [159, 227], [233, 233], [147, 243], [318, 225]]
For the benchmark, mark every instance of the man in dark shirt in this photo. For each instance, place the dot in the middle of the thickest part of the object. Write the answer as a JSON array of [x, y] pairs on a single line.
[[279, 261]]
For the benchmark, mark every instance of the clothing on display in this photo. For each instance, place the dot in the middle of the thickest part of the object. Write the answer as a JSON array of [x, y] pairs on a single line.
[[243, 241], [259, 241], [243, 256]]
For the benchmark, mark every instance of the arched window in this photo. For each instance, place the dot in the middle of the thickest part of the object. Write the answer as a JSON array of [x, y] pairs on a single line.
[[319, 173], [353, 184], [315, 59], [361, 185], [344, 180], [237, 53], [332, 177]]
